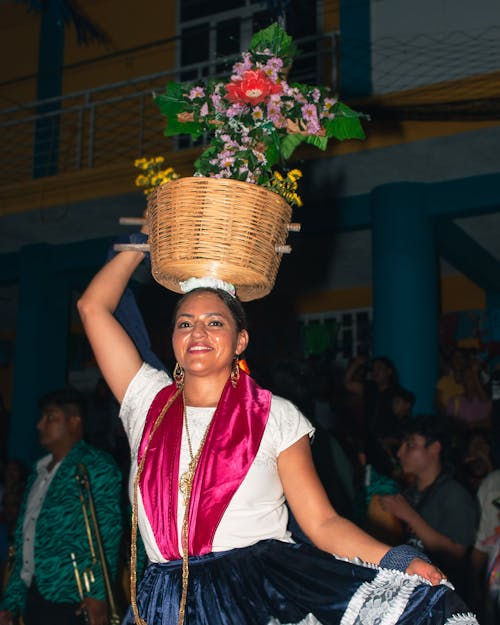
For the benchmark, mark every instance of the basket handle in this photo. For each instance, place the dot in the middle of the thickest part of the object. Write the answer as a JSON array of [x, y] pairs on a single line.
[[283, 249], [293, 227], [131, 247], [132, 221]]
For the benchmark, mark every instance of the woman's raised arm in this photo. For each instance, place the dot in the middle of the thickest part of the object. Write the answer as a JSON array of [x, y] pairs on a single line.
[[115, 352]]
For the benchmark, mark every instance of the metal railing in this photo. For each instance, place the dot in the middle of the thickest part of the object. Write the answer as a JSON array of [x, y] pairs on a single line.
[[119, 121]]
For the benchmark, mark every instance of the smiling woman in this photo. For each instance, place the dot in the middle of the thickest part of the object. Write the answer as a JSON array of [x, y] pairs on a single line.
[[214, 456]]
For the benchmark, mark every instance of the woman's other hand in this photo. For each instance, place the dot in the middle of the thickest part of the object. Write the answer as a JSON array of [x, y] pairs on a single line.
[[426, 570]]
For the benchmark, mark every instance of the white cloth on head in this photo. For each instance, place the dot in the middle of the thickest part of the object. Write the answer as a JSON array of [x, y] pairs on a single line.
[[207, 282], [257, 511]]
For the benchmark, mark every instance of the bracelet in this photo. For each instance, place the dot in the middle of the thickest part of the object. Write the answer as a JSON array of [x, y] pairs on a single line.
[[399, 558]]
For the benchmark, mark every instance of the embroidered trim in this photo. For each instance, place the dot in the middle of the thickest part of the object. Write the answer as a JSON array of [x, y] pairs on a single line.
[[382, 600], [466, 618], [309, 619]]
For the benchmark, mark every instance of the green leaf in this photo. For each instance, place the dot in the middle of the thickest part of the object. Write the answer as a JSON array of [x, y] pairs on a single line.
[[346, 123], [171, 103], [274, 38], [318, 142], [273, 150], [290, 143]]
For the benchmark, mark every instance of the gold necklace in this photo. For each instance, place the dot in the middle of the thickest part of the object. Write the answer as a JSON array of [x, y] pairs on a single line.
[[185, 487], [187, 478]]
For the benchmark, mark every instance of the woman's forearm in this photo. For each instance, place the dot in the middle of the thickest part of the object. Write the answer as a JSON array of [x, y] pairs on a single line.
[[108, 285]]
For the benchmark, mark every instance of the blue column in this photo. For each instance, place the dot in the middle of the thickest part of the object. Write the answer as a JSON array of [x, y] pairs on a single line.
[[49, 85], [405, 287], [41, 344], [355, 49]]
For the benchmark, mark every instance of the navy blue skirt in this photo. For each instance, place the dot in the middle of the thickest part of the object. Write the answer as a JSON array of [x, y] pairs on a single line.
[[277, 583]]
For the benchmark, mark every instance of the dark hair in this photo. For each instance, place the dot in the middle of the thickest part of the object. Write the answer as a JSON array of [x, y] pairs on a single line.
[[394, 377], [405, 394], [233, 304], [431, 427], [71, 401]]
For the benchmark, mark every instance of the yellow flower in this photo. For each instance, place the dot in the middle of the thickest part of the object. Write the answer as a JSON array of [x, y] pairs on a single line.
[[152, 175]]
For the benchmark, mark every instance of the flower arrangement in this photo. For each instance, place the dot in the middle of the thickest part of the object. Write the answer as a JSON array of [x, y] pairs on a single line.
[[152, 175], [256, 119]]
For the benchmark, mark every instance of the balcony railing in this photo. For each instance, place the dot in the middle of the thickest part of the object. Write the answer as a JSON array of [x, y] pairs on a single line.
[[119, 121]]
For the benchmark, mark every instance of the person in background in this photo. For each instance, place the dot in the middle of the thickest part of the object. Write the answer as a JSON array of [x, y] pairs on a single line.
[[377, 386], [450, 384], [14, 484], [439, 513], [42, 587], [484, 577], [471, 407]]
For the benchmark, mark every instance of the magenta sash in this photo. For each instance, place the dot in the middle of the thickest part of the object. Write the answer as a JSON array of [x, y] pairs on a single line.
[[231, 445]]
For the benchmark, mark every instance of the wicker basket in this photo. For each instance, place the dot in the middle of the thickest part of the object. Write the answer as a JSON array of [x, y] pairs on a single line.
[[221, 228]]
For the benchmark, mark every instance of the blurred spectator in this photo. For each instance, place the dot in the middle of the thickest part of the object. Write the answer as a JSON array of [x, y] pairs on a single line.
[[439, 513], [377, 382], [495, 415], [472, 406], [451, 383], [484, 580], [42, 587], [474, 462]]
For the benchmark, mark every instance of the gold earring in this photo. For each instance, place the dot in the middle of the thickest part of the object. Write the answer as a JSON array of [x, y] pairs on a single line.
[[178, 375], [235, 371]]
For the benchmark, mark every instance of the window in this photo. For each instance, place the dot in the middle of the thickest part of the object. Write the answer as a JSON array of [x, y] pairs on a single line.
[[344, 334], [211, 31]]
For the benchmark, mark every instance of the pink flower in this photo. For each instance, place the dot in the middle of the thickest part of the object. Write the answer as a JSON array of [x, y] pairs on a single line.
[[310, 115], [253, 88], [196, 92]]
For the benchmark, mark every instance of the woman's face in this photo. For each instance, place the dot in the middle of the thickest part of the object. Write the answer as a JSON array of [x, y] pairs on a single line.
[[381, 373], [205, 338]]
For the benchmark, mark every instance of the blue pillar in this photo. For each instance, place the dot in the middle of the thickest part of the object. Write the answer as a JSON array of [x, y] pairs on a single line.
[[41, 344], [49, 85], [405, 287], [355, 49]]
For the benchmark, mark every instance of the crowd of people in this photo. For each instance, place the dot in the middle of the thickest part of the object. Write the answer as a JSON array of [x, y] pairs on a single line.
[[389, 478]]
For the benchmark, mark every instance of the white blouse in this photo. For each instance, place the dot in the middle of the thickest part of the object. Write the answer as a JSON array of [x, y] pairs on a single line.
[[257, 510]]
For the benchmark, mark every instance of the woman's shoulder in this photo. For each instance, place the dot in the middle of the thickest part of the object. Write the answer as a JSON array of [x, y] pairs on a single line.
[[286, 422], [141, 391], [146, 381], [281, 406]]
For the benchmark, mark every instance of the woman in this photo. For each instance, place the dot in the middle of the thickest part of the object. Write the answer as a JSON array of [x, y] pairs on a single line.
[[219, 446]]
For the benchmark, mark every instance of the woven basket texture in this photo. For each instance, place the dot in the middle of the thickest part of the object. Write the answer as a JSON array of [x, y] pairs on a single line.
[[221, 228]]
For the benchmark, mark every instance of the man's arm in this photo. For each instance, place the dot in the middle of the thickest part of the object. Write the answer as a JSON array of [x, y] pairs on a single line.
[[434, 542]]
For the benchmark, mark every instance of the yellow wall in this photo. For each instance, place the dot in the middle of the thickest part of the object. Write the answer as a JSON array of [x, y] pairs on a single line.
[[457, 293], [18, 61], [131, 25]]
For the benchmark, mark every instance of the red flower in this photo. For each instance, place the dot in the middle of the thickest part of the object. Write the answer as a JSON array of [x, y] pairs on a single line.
[[253, 88]]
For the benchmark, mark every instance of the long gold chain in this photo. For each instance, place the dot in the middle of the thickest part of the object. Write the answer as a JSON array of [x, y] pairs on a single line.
[[185, 487], [133, 541]]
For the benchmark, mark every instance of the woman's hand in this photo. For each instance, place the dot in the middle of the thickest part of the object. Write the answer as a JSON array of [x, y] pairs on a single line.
[[426, 570]]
